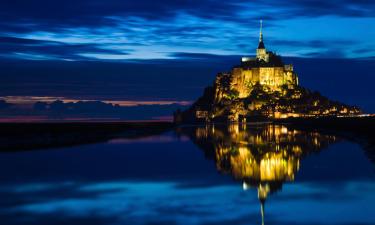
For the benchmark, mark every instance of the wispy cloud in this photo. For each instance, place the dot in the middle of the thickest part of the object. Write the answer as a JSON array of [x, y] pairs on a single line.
[[123, 30]]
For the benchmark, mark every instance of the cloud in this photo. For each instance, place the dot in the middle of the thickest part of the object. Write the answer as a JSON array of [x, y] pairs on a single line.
[[92, 12], [311, 43], [204, 56], [45, 49], [336, 53], [145, 29]]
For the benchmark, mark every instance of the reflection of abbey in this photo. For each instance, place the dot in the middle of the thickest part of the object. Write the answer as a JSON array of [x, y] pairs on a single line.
[[257, 154], [266, 69], [260, 88], [262, 157]]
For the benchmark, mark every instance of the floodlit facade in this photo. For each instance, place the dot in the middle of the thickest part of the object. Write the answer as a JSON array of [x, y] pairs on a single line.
[[266, 69]]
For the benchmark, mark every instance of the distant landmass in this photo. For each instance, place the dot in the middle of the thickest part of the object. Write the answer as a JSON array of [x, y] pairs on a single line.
[[84, 111], [261, 87]]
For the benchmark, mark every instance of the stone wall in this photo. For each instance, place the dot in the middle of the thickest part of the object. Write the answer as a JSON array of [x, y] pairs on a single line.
[[272, 77]]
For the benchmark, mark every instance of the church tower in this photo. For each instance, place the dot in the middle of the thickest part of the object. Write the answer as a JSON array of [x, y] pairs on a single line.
[[261, 50]]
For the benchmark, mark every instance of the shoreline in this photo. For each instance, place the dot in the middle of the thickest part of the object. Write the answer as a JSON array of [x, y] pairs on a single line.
[[41, 135]]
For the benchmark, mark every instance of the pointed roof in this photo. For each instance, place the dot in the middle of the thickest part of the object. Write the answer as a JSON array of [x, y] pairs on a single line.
[[261, 45]]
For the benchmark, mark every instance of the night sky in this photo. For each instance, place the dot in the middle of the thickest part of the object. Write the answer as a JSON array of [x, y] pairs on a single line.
[[170, 50]]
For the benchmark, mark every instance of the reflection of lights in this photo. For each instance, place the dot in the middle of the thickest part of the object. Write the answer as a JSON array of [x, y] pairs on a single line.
[[284, 130], [297, 150], [271, 153], [263, 190], [245, 186], [262, 157], [277, 168], [360, 115], [201, 132]]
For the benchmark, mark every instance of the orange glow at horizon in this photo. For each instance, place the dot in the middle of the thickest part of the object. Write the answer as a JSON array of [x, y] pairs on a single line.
[[29, 100]]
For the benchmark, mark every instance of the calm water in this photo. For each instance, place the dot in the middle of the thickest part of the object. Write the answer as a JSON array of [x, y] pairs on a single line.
[[197, 175]]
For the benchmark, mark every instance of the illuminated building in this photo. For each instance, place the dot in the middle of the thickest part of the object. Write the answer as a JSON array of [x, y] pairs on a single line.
[[261, 87], [266, 69]]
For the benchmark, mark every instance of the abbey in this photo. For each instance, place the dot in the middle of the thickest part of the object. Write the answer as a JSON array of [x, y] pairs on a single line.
[[260, 87], [266, 69]]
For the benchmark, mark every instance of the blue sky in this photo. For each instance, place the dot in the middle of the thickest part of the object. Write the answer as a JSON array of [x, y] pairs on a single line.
[[128, 30]]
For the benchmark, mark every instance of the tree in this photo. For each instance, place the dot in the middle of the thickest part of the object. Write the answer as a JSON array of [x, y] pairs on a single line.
[[233, 94]]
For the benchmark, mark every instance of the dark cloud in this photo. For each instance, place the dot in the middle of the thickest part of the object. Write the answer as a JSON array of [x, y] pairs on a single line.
[[183, 24], [94, 12], [49, 49], [206, 57], [55, 218], [312, 43], [313, 8], [23, 15], [364, 50], [330, 53]]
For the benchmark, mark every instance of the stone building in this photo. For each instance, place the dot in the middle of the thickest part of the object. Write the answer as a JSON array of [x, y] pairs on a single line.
[[266, 69]]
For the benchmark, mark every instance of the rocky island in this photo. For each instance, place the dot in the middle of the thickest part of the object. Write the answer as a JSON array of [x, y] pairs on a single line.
[[261, 87]]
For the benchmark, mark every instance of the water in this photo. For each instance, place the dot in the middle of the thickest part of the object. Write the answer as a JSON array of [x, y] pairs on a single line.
[[197, 175]]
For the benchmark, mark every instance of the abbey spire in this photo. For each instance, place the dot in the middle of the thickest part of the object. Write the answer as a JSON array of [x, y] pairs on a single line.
[[261, 43], [261, 50]]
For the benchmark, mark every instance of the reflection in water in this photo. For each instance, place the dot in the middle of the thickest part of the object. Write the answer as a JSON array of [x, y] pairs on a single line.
[[164, 179], [263, 157]]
